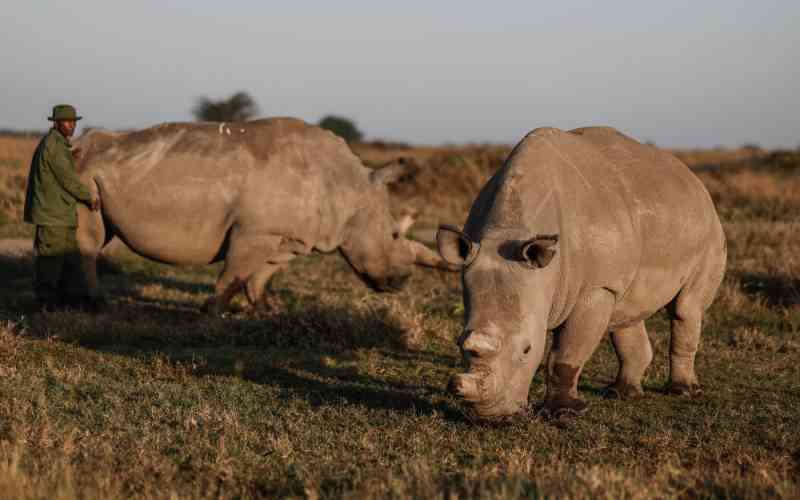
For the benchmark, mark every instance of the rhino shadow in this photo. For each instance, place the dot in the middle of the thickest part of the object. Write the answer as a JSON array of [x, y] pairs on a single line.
[[360, 391], [15, 271], [167, 282], [16, 286], [776, 291], [417, 355], [16, 281], [303, 351]]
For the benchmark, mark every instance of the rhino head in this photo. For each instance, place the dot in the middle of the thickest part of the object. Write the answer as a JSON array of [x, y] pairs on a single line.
[[508, 283], [375, 245]]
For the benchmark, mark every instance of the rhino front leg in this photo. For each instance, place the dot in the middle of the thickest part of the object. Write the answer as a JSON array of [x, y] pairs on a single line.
[[635, 354], [245, 258], [226, 288], [257, 283], [573, 345]]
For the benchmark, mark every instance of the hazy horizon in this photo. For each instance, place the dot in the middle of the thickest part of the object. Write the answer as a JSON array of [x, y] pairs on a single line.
[[684, 74]]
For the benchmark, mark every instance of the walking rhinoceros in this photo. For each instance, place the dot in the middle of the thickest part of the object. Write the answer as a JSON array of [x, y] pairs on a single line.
[[254, 194], [581, 233]]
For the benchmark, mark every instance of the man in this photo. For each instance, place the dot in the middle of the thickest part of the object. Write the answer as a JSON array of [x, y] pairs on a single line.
[[54, 189]]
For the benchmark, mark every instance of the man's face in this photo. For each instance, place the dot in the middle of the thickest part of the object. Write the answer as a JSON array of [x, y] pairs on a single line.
[[66, 127]]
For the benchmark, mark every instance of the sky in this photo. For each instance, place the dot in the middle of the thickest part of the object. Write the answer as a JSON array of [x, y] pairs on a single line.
[[700, 73]]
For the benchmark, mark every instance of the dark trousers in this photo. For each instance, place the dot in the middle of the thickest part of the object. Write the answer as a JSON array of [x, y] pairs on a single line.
[[58, 272]]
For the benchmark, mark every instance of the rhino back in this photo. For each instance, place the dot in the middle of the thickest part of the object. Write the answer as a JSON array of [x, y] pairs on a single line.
[[676, 223], [630, 218], [173, 192], [672, 210]]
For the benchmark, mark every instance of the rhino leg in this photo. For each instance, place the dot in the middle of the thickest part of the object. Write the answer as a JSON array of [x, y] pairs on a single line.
[[634, 353], [89, 266], [245, 258], [91, 237], [224, 291], [573, 345], [687, 317], [257, 283]]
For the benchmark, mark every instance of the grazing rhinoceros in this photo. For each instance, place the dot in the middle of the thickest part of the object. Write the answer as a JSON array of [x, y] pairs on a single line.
[[581, 233], [254, 194]]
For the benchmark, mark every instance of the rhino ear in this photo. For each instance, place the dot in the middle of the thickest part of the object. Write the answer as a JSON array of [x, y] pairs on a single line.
[[537, 251], [391, 172], [424, 256], [455, 247]]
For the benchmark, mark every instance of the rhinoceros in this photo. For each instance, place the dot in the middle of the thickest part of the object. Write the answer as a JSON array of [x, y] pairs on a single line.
[[580, 233], [254, 194]]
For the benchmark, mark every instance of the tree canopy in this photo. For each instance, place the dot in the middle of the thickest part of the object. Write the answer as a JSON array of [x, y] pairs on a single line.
[[238, 107], [343, 127]]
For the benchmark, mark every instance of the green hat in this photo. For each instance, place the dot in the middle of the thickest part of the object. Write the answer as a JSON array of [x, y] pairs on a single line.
[[64, 112]]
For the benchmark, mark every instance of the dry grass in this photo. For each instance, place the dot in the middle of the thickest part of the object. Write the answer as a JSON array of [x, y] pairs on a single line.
[[336, 392], [699, 158], [15, 157]]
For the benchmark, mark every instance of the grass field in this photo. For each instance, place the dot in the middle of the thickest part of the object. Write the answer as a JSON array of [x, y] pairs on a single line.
[[334, 391]]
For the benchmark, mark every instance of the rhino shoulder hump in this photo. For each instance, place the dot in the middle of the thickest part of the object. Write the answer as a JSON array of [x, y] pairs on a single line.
[[595, 130], [97, 136], [545, 131]]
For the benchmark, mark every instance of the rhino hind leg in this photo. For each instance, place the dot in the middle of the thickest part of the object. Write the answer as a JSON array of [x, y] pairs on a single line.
[[573, 345], [686, 319], [91, 236], [635, 354]]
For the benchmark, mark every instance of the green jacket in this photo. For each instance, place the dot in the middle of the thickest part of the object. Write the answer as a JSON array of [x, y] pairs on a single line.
[[54, 187]]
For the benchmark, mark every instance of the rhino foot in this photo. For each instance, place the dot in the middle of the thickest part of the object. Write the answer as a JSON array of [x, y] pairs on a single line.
[[680, 389], [562, 410], [622, 391]]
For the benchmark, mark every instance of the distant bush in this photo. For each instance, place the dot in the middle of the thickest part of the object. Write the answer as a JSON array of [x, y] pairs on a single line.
[[784, 159], [752, 147], [342, 127], [237, 108], [387, 145]]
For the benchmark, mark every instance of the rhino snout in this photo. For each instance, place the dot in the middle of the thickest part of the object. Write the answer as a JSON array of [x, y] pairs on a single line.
[[466, 386], [472, 389]]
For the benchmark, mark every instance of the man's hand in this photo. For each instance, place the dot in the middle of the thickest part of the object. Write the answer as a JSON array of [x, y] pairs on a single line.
[[77, 153], [94, 205]]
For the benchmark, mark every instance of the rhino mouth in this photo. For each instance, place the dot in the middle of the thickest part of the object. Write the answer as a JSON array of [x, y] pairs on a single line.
[[483, 403]]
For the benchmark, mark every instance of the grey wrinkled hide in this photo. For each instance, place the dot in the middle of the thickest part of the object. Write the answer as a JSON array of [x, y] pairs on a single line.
[[581, 233], [254, 194]]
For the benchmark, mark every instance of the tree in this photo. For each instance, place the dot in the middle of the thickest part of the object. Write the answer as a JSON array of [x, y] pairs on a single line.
[[237, 108], [342, 127]]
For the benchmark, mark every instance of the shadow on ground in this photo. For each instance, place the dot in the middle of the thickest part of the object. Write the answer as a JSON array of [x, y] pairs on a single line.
[[776, 291], [303, 347], [13, 269]]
